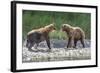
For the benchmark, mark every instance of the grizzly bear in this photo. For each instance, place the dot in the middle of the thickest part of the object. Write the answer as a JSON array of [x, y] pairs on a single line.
[[36, 36], [74, 34]]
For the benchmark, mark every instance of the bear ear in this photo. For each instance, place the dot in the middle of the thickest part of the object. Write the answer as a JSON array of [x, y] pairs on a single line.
[[51, 24], [64, 25]]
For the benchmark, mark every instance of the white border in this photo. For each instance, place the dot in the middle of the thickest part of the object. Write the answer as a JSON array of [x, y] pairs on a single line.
[[21, 65]]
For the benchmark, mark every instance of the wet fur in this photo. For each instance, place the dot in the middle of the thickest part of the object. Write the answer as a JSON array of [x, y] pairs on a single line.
[[74, 34], [36, 36]]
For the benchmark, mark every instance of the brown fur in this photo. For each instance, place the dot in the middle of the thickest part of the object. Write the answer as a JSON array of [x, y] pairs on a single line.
[[74, 34], [44, 30], [37, 35]]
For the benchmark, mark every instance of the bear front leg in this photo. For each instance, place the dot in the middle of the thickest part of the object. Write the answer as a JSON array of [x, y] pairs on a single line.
[[75, 43], [48, 42], [69, 43]]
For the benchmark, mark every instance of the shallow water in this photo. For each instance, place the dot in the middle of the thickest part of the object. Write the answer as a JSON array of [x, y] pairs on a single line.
[[57, 53]]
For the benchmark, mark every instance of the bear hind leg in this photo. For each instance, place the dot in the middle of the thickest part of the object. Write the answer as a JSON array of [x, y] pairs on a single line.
[[82, 42], [30, 46], [69, 43], [75, 43]]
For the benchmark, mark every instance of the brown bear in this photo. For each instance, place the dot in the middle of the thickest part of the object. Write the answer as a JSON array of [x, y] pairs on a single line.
[[74, 34], [36, 36]]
